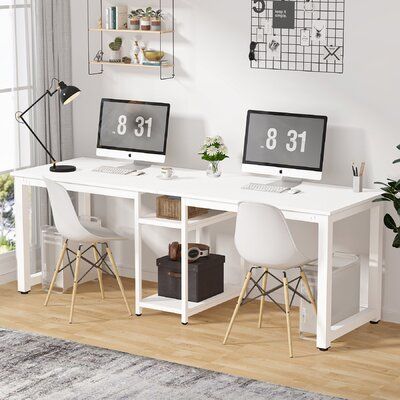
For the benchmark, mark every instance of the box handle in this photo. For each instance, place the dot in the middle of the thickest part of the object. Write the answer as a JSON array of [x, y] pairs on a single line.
[[174, 274]]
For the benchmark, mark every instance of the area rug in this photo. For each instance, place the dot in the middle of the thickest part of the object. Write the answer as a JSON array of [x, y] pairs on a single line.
[[40, 367]]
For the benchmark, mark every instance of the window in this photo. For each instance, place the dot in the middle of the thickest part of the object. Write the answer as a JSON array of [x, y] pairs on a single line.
[[15, 94]]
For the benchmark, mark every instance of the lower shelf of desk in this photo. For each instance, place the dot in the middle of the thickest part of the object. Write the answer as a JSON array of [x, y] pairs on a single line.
[[166, 304]]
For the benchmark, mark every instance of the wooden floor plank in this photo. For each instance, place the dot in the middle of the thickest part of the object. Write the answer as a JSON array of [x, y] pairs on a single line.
[[362, 365]]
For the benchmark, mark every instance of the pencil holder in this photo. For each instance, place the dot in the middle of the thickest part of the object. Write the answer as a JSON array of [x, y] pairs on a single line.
[[357, 184]]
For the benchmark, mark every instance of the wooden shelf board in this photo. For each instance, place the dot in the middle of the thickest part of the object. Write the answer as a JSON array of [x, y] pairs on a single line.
[[210, 218], [174, 306], [163, 32], [121, 64]]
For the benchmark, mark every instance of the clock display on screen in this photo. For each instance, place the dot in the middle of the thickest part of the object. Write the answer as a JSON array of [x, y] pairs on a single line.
[[133, 126], [285, 140]]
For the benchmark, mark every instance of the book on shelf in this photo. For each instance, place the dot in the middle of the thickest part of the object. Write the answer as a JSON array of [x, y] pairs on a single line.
[[154, 63], [116, 17], [121, 17]]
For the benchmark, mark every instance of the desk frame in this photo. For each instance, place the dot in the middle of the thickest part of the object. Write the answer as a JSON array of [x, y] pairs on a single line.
[[326, 332]]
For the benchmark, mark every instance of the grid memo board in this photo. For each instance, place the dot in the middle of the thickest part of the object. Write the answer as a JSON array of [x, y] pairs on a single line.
[[298, 35]]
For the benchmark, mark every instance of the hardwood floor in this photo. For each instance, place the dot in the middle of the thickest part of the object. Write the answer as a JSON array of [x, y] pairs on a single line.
[[364, 364]]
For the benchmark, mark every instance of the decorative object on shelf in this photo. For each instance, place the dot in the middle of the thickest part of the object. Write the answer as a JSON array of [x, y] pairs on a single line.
[[205, 276], [134, 20], [195, 251], [169, 207], [214, 151], [126, 60], [142, 58], [99, 56], [278, 27], [67, 94], [145, 17], [115, 46], [392, 191], [154, 55], [156, 20], [135, 52]]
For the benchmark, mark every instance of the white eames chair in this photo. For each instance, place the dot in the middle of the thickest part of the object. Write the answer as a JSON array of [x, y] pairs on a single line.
[[71, 228], [263, 239]]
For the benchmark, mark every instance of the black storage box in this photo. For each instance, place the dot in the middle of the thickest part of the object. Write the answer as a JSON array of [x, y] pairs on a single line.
[[206, 277]]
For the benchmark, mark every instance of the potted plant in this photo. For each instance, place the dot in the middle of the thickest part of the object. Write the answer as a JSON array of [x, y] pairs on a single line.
[[156, 20], [145, 16], [115, 46], [214, 151], [134, 20], [391, 193]]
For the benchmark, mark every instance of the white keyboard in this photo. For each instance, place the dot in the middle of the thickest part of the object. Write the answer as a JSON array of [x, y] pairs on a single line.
[[265, 187], [124, 170]]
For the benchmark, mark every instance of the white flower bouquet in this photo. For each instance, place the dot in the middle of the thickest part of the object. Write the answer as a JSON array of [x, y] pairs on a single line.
[[214, 149]]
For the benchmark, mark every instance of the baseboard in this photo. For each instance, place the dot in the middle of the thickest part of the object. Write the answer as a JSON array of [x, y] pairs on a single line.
[[391, 316]]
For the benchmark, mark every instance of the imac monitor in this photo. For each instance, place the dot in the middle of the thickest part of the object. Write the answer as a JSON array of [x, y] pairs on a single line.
[[286, 145], [135, 130]]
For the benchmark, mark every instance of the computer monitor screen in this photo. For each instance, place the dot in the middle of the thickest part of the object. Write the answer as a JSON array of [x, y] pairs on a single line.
[[285, 144], [133, 129]]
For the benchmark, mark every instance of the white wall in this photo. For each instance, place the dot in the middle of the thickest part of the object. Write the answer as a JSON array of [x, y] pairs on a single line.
[[215, 87]]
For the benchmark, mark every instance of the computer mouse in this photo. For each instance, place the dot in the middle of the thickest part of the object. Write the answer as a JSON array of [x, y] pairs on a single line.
[[294, 191]]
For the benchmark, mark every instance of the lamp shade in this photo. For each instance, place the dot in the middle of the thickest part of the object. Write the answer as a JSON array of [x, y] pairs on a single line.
[[68, 93]]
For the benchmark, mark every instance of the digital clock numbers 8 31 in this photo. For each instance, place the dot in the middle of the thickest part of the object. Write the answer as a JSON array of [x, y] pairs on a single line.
[[295, 142], [142, 126]]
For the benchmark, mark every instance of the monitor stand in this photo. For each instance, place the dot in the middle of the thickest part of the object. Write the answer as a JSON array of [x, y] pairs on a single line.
[[136, 165], [286, 182]]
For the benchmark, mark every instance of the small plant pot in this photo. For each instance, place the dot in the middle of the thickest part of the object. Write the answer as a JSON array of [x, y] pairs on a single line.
[[145, 24], [156, 24], [134, 24], [115, 56]]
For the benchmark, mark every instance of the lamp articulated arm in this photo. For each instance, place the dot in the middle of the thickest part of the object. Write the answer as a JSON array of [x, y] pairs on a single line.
[[20, 117], [67, 94]]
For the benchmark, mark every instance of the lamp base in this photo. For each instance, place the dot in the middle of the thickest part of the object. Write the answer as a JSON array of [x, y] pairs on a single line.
[[62, 168]]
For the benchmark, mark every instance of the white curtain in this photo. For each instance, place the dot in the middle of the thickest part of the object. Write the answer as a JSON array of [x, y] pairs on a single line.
[[52, 59]]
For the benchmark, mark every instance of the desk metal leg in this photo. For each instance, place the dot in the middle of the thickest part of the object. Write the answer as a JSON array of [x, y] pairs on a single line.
[[375, 262], [184, 262], [325, 251], [138, 256], [22, 225]]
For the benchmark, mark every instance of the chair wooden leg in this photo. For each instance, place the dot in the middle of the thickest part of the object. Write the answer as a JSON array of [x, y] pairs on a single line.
[[56, 271], [308, 289], [99, 272], [287, 309], [262, 299], [121, 287], [239, 302], [76, 278]]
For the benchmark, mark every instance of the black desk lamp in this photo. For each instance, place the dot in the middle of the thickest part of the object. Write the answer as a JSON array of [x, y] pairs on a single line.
[[67, 94]]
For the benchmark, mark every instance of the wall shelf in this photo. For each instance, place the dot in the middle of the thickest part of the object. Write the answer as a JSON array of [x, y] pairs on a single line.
[[163, 32], [121, 64], [166, 69]]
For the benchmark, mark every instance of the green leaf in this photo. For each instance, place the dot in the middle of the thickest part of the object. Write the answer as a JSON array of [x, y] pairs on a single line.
[[389, 196], [398, 146], [389, 222], [396, 241], [396, 161], [380, 183], [380, 199]]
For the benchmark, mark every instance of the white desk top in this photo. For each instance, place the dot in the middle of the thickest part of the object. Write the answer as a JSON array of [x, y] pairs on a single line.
[[194, 184]]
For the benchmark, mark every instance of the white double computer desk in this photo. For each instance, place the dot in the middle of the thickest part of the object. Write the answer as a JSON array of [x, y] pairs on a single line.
[[317, 204]]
